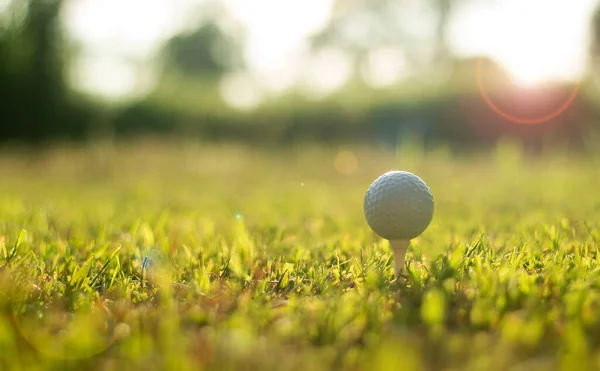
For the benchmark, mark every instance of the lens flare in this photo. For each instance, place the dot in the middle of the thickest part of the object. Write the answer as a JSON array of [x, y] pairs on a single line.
[[516, 119], [345, 162]]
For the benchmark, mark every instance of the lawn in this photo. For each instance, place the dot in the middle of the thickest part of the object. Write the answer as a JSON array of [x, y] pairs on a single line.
[[189, 256]]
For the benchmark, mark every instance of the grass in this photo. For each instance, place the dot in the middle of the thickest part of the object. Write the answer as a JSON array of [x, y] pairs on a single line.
[[190, 257]]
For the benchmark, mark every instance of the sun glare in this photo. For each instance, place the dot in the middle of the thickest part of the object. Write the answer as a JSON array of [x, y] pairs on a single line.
[[529, 67], [536, 41]]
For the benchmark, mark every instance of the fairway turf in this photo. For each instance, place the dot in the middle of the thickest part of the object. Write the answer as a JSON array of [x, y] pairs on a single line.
[[197, 257]]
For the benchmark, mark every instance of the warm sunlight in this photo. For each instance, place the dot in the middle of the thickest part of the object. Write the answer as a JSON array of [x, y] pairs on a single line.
[[276, 38], [529, 64], [535, 41]]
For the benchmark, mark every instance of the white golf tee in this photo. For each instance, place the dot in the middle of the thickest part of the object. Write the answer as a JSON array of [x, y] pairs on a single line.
[[399, 248]]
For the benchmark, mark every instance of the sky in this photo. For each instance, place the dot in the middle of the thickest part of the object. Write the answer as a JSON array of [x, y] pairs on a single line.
[[535, 40]]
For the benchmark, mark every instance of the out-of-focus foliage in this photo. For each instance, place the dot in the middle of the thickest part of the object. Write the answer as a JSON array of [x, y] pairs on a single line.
[[361, 26], [206, 50], [34, 100], [594, 51], [454, 114], [595, 31]]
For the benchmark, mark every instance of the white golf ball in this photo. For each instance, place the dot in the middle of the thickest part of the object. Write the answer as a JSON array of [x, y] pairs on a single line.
[[398, 206]]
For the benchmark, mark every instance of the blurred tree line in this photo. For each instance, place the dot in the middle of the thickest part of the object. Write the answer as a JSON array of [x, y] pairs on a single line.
[[36, 102]]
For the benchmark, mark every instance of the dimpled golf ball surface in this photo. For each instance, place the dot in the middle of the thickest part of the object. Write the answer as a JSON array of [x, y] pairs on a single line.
[[398, 206]]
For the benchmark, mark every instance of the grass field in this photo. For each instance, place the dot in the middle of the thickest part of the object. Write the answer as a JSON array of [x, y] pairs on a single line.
[[192, 257]]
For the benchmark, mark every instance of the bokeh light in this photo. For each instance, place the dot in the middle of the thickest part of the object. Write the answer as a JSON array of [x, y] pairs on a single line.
[[241, 91], [345, 162]]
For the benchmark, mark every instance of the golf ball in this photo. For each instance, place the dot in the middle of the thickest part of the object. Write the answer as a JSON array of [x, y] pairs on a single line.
[[398, 206]]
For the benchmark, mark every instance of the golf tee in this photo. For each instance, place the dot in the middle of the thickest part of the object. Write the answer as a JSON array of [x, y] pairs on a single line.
[[399, 248]]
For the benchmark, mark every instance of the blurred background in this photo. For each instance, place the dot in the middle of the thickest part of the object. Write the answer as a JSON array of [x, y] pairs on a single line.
[[463, 73]]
